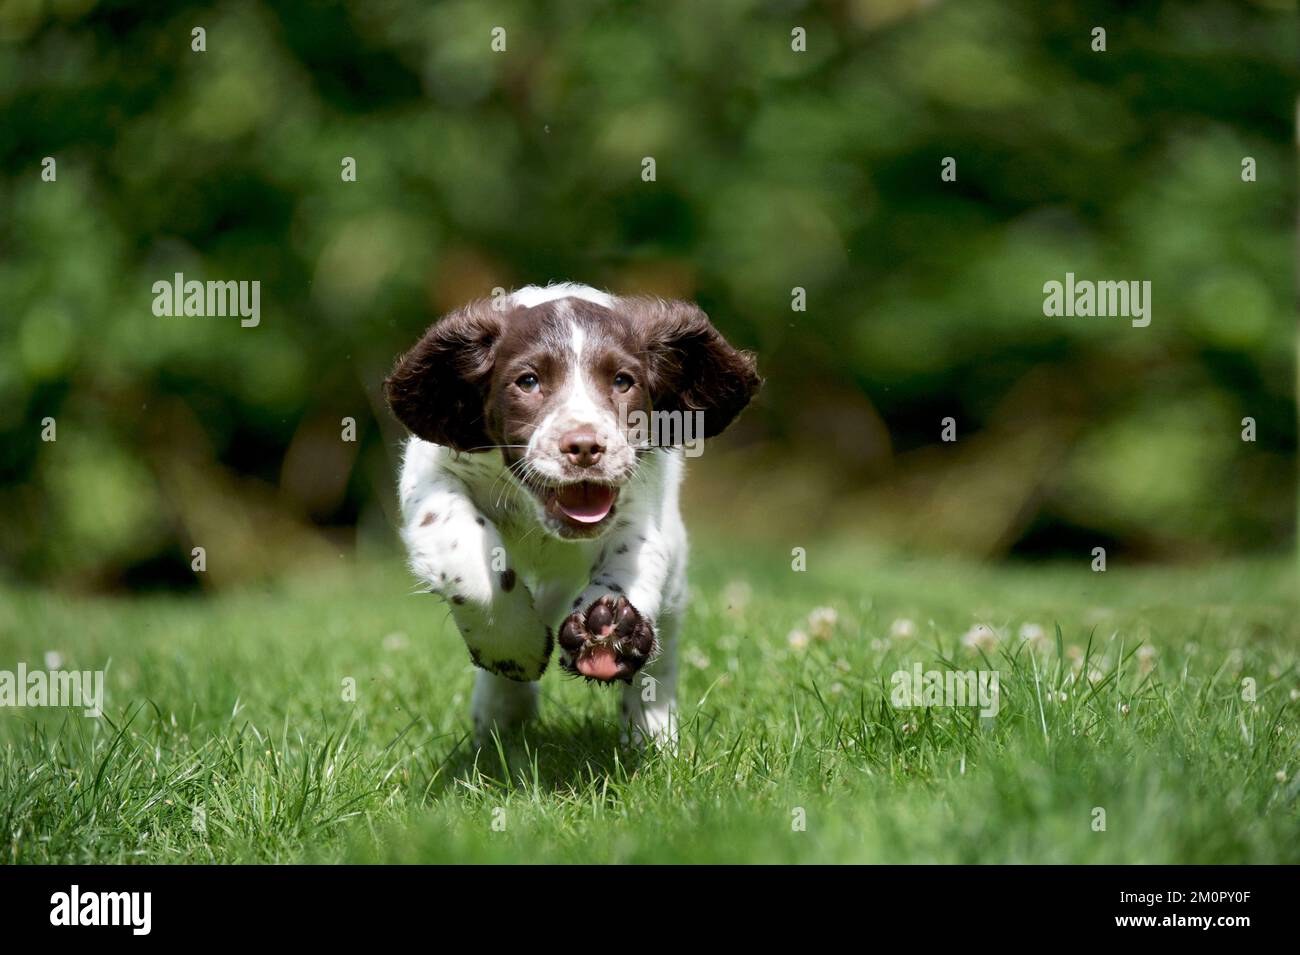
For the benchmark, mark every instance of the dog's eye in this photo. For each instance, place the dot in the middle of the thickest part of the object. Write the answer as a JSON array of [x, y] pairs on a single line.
[[622, 382], [528, 383]]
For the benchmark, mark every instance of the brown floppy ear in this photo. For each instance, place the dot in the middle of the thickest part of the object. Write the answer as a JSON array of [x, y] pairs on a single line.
[[692, 367], [438, 388]]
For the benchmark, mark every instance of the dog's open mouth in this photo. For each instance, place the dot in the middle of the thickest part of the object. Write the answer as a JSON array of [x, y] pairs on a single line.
[[583, 504]]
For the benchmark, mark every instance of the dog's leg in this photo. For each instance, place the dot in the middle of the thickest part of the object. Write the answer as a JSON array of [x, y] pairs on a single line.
[[650, 700], [460, 554], [614, 631], [500, 703]]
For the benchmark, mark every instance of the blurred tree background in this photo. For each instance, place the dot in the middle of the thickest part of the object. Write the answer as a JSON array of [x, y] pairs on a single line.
[[775, 170]]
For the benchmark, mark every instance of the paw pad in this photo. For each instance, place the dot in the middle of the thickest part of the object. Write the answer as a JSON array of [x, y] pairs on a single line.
[[608, 641]]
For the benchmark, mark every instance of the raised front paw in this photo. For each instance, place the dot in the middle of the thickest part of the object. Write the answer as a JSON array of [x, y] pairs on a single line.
[[608, 641]]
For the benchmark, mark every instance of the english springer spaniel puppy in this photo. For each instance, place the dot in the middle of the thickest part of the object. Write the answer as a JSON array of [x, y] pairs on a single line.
[[531, 502]]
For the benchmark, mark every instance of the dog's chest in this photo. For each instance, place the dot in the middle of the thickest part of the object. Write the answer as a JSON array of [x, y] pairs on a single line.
[[545, 563], [553, 564]]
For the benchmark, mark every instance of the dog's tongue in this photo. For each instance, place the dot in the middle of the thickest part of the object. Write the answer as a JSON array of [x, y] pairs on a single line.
[[585, 502]]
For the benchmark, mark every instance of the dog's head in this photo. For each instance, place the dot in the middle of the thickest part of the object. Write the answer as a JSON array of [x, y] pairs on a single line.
[[550, 378]]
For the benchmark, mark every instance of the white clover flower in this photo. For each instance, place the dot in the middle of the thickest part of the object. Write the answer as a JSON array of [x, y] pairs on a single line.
[[797, 639], [822, 621], [980, 637], [902, 629], [1033, 634], [53, 659], [736, 595]]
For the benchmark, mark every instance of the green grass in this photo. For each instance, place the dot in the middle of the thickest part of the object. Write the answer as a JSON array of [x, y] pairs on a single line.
[[233, 705]]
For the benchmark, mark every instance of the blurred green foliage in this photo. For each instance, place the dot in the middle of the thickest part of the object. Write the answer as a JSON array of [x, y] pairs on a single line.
[[775, 170]]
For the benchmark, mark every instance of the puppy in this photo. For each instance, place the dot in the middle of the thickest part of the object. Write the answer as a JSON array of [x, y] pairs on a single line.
[[530, 504]]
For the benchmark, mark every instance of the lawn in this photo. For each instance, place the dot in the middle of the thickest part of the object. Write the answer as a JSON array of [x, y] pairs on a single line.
[[227, 735]]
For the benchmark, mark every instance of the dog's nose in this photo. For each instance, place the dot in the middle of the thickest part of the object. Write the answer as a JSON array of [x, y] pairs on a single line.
[[583, 448]]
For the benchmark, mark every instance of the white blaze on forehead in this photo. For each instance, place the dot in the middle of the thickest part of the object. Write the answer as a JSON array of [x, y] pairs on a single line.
[[576, 407], [579, 407], [532, 295]]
